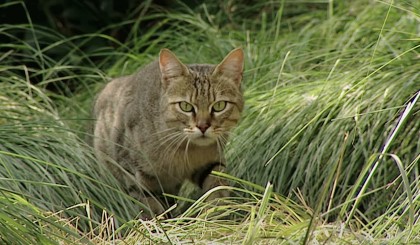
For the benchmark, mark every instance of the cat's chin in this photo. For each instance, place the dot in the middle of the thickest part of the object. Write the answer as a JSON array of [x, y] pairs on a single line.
[[203, 141]]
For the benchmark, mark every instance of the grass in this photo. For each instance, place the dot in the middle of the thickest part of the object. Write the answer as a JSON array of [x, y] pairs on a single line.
[[328, 149]]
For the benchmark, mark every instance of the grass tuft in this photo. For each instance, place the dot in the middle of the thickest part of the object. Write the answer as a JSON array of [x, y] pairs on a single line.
[[327, 151]]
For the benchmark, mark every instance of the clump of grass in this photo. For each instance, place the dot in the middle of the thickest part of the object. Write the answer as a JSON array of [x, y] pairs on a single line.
[[331, 123], [266, 217], [45, 163], [43, 160], [24, 223], [324, 103]]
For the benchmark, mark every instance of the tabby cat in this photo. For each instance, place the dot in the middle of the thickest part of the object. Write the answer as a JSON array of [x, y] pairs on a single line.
[[168, 123]]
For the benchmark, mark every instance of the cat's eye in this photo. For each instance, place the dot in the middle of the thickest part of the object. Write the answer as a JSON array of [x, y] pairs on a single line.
[[185, 106], [219, 106]]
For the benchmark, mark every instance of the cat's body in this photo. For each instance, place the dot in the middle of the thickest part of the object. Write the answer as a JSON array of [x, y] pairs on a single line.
[[168, 123]]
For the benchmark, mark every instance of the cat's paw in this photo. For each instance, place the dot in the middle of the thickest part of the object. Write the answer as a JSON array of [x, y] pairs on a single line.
[[215, 185], [218, 194], [216, 203], [153, 207]]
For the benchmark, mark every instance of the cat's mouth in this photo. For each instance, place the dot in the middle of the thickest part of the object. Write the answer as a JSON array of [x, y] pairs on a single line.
[[202, 139]]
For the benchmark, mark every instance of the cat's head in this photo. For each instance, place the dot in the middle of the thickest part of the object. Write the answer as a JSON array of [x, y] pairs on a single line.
[[201, 102]]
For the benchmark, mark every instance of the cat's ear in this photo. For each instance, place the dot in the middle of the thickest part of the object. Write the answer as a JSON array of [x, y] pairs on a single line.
[[170, 66], [232, 66]]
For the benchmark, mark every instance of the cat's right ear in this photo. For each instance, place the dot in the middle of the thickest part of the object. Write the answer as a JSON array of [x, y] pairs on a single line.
[[170, 66]]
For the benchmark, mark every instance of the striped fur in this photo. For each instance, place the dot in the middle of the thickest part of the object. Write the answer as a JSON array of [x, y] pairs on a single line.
[[149, 143]]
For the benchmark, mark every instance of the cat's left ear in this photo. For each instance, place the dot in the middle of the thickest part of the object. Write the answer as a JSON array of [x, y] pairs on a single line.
[[232, 66], [170, 66]]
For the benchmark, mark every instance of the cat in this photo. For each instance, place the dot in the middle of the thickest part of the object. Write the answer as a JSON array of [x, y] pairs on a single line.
[[168, 123]]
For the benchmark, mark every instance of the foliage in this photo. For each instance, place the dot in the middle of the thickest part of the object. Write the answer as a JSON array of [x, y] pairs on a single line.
[[317, 114], [331, 126]]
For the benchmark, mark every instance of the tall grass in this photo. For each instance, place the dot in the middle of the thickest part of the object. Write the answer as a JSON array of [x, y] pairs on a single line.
[[332, 107], [328, 149]]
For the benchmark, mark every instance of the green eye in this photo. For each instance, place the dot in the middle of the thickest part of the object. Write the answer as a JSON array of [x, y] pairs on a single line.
[[219, 106], [185, 106]]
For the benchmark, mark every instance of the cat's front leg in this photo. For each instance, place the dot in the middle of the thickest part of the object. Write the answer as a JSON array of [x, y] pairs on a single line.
[[206, 181], [146, 189], [151, 202]]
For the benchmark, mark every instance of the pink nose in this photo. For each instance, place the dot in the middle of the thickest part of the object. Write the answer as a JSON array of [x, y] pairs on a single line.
[[203, 127]]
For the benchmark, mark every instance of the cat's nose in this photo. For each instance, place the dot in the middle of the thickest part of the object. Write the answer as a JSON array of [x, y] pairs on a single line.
[[203, 127]]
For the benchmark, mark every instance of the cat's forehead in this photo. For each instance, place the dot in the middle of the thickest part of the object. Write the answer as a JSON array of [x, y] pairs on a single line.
[[202, 91], [201, 69], [201, 87]]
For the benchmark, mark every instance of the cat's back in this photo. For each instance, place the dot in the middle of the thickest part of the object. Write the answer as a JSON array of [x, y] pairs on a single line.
[[121, 91], [116, 88]]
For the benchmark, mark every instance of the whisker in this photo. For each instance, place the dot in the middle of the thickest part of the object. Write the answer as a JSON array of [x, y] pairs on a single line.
[[169, 147], [163, 131], [187, 159], [175, 149], [236, 155], [220, 149], [161, 142], [167, 154]]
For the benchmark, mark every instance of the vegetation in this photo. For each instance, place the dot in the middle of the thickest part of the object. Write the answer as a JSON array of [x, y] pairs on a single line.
[[328, 149]]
